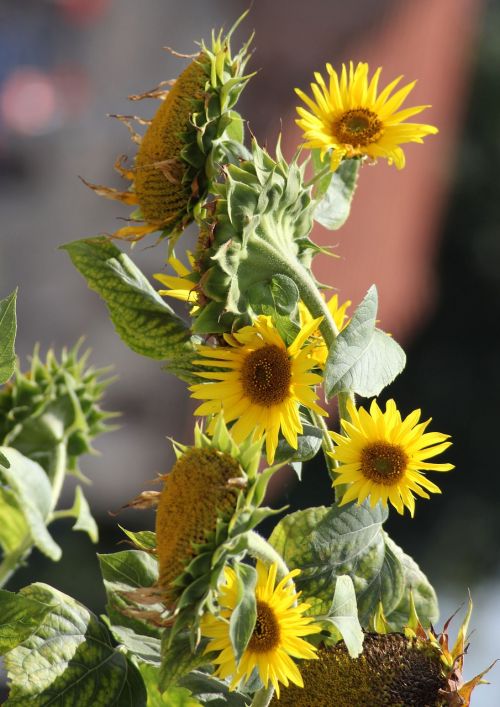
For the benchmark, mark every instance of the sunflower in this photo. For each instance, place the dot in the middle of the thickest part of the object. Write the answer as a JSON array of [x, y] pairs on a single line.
[[349, 118], [184, 139], [276, 636], [339, 314], [264, 384], [383, 456]]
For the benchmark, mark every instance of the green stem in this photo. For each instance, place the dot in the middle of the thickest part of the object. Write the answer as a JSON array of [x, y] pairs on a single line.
[[327, 445], [261, 550], [263, 697], [319, 175], [57, 475]]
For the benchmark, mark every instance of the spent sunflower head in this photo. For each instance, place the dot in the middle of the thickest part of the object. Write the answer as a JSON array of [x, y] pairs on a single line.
[[350, 118], [192, 131], [383, 456], [210, 499], [276, 637], [262, 383], [339, 314]]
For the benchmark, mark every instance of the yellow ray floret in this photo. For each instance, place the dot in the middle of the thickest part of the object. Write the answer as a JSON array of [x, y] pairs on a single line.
[[339, 314], [383, 456], [262, 384], [276, 638], [349, 117]]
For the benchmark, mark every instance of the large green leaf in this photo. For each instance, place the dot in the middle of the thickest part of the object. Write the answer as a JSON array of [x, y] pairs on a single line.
[[69, 660], [144, 321], [123, 572], [178, 657], [423, 593], [8, 327], [335, 192], [343, 616], [27, 484], [363, 359], [20, 617], [327, 542]]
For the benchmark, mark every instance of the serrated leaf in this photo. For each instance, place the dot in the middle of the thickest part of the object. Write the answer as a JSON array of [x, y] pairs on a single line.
[[84, 519], [212, 691], [8, 326], [123, 572], [70, 660], [143, 320], [328, 542], [28, 482], [244, 614], [343, 614], [423, 593], [363, 359], [20, 617], [173, 697], [336, 192]]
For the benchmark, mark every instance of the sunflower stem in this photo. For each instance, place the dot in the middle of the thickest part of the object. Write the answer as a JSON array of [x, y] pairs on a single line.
[[327, 446], [263, 697], [319, 175], [261, 550]]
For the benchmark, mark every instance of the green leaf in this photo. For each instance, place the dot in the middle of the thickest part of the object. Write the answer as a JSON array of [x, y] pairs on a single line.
[[69, 660], [363, 359], [123, 572], [343, 615], [20, 617], [212, 691], [423, 593], [84, 519], [173, 697], [334, 206], [178, 657], [143, 320], [28, 482], [244, 614], [8, 326], [13, 528], [309, 444], [144, 539], [146, 649], [328, 542]]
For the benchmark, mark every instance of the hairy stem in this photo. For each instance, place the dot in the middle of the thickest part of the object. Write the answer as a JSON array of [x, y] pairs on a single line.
[[261, 550]]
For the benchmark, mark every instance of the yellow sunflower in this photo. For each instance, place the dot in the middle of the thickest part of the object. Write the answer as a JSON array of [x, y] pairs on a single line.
[[264, 384], [352, 119], [339, 314], [276, 636], [383, 456]]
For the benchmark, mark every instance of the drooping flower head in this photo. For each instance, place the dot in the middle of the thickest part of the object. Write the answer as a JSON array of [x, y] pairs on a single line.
[[276, 638], [350, 118], [210, 499], [183, 142], [339, 315], [383, 456], [262, 384], [394, 669]]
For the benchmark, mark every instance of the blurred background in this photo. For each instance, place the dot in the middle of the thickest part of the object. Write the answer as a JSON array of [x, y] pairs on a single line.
[[427, 236]]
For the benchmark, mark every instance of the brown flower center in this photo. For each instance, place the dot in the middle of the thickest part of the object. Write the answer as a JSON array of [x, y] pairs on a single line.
[[266, 375], [383, 462], [358, 127], [266, 634]]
